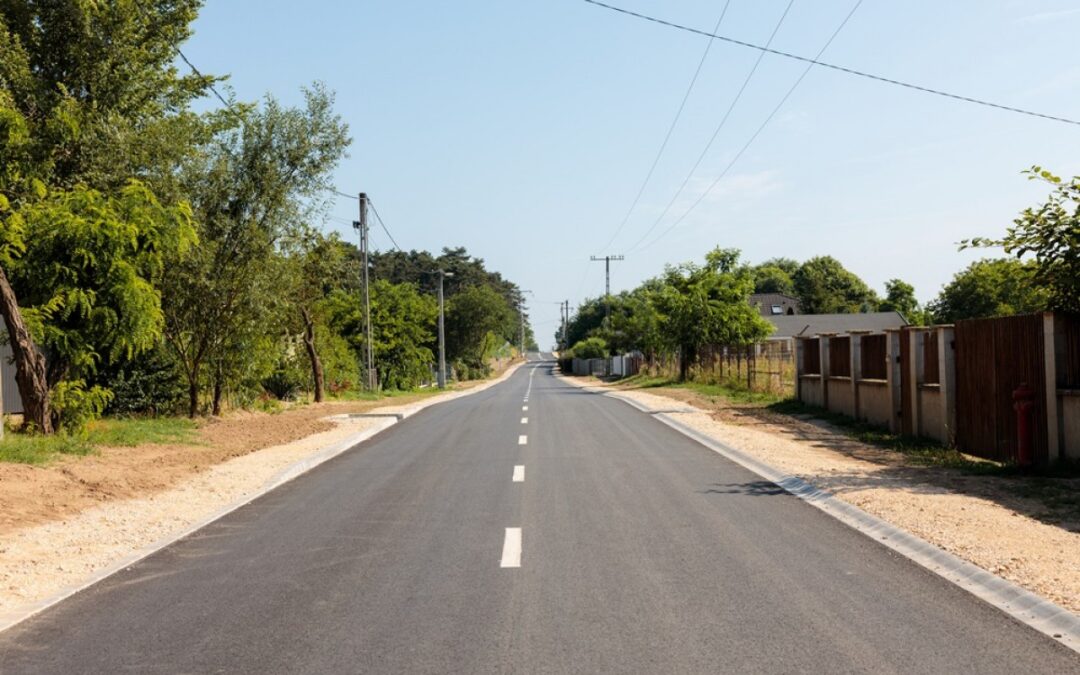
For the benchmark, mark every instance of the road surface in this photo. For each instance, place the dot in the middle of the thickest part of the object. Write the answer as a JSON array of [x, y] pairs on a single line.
[[568, 533]]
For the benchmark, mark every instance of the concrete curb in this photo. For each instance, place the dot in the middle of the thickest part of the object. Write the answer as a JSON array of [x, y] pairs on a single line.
[[16, 616], [1034, 611]]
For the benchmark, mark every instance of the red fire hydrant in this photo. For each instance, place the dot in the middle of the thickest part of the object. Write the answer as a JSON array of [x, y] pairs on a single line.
[[1024, 405]]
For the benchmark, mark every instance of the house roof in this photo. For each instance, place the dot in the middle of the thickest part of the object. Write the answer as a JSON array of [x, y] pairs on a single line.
[[808, 325], [765, 302]]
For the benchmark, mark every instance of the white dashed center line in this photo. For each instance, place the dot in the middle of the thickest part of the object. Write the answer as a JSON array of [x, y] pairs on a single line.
[[524, 408], [524, 420], [511, 553], [523, 439], [519, 473]]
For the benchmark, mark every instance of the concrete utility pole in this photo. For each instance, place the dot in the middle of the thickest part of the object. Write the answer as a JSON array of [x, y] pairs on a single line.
[[607, 280], [521, 318], [565, 311], [442, 331], [362, 225]]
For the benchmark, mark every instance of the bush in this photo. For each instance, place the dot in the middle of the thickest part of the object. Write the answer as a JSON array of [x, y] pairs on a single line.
[[590, 348], [150, 384], [287, 380], [75, 406]]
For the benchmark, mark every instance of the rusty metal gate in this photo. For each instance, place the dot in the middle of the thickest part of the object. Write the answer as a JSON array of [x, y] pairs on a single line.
[[993, 358]]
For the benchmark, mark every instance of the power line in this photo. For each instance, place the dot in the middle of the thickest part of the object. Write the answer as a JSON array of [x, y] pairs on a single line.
[[716, 132], [768, 119], [670, 131], [842, 69], [383, 225]]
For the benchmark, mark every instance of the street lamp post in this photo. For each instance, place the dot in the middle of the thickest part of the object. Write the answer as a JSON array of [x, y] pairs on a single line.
[[442, 331]]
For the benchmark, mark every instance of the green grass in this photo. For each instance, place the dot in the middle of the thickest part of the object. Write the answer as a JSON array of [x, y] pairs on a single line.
[[132, 431], [728, 391], [115, 432]]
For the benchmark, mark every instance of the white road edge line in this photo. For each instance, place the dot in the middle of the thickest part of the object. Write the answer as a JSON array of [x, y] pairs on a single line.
[[519, 473], [511, 553], [1050, 619], [523, 439]]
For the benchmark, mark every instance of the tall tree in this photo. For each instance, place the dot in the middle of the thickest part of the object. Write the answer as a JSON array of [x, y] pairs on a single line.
[[318, 265], [1048, 236], [900, 297], [253, 185], [985, 288], [89, 100], [708, 304], [824, 286]]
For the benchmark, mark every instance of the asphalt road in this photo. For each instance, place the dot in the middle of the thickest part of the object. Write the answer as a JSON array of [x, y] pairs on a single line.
[[641, 551]]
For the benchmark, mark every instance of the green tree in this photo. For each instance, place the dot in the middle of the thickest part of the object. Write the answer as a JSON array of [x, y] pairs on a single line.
[[985, 288], [774, 276], [824, 286], [403, 330], [477, 319], [708, 304], [250, 188], [900, 297], [1048, 236], [317, 266], [89, 100]]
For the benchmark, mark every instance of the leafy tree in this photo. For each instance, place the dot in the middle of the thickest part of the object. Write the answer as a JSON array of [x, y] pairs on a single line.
[[985, 288], [824, 286], [477, 319], [317, 265], [89, 100], [774, 276], [708, 304], [900, 297], [403, 330], [1050, 235], [250, 188]]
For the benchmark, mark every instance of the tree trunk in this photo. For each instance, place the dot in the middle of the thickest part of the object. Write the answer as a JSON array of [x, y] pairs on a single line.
[[313, 355], [193, 397], [218, 388], [29, 362]]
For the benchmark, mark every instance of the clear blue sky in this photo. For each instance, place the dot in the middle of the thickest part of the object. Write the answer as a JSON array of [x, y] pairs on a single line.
[[522, 130]]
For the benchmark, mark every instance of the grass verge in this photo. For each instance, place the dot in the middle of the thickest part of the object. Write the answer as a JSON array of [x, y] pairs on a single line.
[[114, 432], [726, 391]]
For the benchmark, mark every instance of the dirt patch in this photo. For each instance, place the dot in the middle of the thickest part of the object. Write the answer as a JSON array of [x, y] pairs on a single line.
[[986, 520]]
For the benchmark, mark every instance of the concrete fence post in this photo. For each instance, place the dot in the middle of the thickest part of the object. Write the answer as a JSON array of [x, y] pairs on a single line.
[[800, 356], [892, 376], [914, 376], [823, 347], [947, 379], [855, 369], [1051, 346]]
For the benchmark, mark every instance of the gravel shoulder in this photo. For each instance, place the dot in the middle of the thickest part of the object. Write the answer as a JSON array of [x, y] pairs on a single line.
[[981, 519], [68, 521]]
